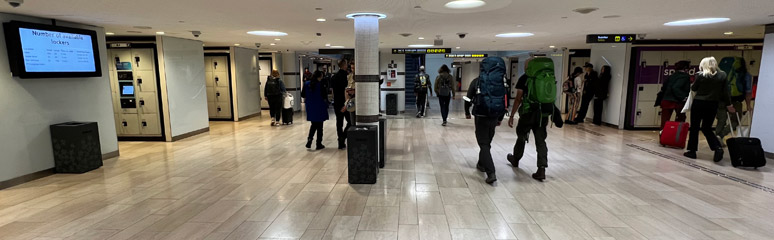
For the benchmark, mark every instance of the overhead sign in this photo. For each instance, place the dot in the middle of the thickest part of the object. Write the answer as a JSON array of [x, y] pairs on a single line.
[[610, 38], [421, 50], [481, 55]]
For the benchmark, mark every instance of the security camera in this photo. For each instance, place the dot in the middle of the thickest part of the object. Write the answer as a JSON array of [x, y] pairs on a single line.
[[258, 45], [15, 3], [641, 36], [196, 33], [462, 35]]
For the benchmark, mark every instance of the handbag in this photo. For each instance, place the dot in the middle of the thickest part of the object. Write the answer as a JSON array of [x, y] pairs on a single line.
[[689, 102]]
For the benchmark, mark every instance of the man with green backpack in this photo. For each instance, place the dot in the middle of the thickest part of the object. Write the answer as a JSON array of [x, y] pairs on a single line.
[[739, 82], [535, 97]]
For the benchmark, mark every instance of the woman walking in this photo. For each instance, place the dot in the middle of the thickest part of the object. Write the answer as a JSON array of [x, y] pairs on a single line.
[[710, 89], [675, 91], [274, 92], [573, 88], [316, 107], [444, 91]]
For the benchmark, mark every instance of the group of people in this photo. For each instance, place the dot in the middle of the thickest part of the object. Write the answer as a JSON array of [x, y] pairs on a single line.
[[717, 95], [316, 91], [583, 86], [443, 89]]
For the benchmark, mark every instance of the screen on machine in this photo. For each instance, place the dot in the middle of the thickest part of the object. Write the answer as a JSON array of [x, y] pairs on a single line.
[[127, 90], [51, 51]]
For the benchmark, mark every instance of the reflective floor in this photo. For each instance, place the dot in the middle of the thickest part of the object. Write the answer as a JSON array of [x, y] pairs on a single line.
[[250, 181]]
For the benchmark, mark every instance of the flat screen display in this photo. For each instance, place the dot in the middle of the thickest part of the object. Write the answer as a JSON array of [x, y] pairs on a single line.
[[45, 51], [127, 90]]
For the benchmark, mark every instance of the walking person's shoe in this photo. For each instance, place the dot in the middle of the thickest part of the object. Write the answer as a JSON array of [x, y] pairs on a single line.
[[718, 155], [540, 175], [419, 114], [491, 178], [342, 145], [690, 154], [443, 124], [468, 116], [320, 146], [480, 168], [513, 161], [309, 143], [273, 123], [722, 143]]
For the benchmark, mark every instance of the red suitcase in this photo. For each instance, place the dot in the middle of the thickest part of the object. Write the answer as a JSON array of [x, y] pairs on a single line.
[[675, 134]]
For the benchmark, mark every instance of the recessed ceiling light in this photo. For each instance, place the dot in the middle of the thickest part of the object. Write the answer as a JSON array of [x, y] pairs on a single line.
[[267, 33], [109, 33], [327, 44], [457, 47], [697, 21], [421, 38], [420, 45], [321, 20], [465, 4], [728, 33], [585, 10], [272, 44], [552, 46], [237, 44], [337, 46], [353, 15], [520, 25], [514, 35], [160, 33], [277, 39]]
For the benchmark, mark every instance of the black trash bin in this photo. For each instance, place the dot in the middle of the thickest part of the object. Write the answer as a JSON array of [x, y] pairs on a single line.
[[382, 139], [362, 154], [392, 104], [76, 147]]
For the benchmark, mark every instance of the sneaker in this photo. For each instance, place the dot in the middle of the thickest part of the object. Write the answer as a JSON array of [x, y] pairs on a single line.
[[309, 143], [491, 178], [718, 155], [480, 168], [513, 161], [320, 146], [468, 117], [540, 175], [690, 154], [443, 124], [419, 115]]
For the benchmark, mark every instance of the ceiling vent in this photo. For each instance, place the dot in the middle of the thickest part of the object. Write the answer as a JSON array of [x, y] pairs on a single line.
[[585, 10], [405, 34], [438, 41], [342, 20]]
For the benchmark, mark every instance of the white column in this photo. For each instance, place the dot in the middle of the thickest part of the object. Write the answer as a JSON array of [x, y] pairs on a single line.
[[367, 68], [291, 76], [763, 115]]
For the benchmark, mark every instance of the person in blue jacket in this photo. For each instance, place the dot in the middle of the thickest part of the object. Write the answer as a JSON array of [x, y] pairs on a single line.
[[316, 96]]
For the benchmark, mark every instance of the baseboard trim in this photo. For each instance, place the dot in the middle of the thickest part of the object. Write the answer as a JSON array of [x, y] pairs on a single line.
[[769, 155], [250, 116], [26, 178], [110, 155], [190, 134]]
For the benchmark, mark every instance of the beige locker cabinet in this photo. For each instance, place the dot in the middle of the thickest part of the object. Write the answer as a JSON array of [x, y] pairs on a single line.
[[145, 81], [695, 56], [129, 124], [207, 64], [209, 79], [219, 64], [116, 56], [224, 110], [143, 60], [128, 111], [220, 79], [149, 125], [651, 58], [648, 92], [645, 116], [222, 94], [146, 102], [210, 94], [212, 109]]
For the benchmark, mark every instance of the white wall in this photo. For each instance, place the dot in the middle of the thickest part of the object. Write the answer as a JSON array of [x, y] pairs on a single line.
[[764, 103], [433, 62], [469, 72], [385, 58], [185, 84], [246, 78], [617, 55], [29, 106]]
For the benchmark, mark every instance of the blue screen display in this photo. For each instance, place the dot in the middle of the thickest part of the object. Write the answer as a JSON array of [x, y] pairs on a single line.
[[51, 51], [127, 90]]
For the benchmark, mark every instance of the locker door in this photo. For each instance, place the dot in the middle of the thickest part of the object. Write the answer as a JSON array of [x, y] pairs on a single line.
[[645, 114], [220, 79], [212, 109], [651, 58], [224, 110], [208, 63], [658, 116], [147, 103], [209, 79], [211, 94], [754, 57], [149, 124], [143, 60], [648, 92], [119, 55], [222, 94], [219, 64], [129, 124], [145, 81]]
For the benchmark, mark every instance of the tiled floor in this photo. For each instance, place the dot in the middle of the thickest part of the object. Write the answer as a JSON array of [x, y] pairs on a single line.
[[250, 181]]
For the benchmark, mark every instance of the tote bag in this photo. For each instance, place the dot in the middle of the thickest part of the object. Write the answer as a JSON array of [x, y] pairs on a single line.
[[689, 103]]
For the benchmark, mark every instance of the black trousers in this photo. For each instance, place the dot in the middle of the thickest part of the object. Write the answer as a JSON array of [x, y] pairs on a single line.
[[535, 123], [421, 103], [485, 132], [444, 101], [275, 107], [598, 107], [468, 105], [584, 109], [702, 116], [341, 130], [316, 127]]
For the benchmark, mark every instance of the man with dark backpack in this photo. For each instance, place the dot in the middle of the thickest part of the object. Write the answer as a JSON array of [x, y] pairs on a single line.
[[422, 86], [535, 97], [488, 95]]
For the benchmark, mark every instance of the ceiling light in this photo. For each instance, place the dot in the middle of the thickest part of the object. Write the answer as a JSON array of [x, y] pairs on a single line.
[[337, 46], [465, 4], [237, 44], [272, 44], [109, 33], [420, 45], [728, 33], [267, 33], [552, 46], [321, 20], [160, 33], [697, 21], [421, 38], [353, 15], [457, 47], [514, 35], [327, 44]]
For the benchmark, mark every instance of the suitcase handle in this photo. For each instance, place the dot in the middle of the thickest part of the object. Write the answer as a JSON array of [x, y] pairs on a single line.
[[736, 131]]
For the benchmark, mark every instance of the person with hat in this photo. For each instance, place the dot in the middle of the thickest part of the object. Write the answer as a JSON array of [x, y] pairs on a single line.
[[422, 86], [589, 85]]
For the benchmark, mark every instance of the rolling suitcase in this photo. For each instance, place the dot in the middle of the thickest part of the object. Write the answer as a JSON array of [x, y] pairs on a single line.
[[287, 116], [745, 151], [675, 134]]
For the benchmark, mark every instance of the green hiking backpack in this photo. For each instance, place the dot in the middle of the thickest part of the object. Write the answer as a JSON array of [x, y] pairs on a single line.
[[541, 85]]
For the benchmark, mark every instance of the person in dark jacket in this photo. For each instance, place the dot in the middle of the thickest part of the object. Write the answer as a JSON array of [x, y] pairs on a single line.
[[740, 86], [316, 107], [274, 92], [339, 84], [444, 90], [422, 86], [710, 89], [589, 80], [675, 91], [601, 91]]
